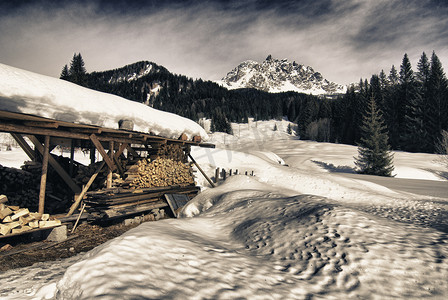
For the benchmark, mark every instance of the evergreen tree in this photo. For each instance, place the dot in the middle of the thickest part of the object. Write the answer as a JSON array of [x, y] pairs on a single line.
[[289, 129], [374, 155], [275, 127], [438, 102], [416, 135], [77, 71], [406, 106], [65, 73]]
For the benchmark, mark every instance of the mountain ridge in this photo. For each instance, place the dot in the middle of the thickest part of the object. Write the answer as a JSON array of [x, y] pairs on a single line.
[[279, 75]]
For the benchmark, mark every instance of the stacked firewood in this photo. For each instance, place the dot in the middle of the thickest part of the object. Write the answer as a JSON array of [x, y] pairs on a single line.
[[85, 172], [14, 219], [172, 151], [158, 173], [167, 168]]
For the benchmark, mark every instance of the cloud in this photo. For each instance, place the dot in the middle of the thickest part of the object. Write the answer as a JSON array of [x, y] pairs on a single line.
[[344, 40]]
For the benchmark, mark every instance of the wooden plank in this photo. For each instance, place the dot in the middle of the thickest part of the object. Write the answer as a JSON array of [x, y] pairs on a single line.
[[64, 175], [45, 124], [103, 153], [202, 171], [120, 212], [24, 145], [109, 173], [176, 202], [85, 189]]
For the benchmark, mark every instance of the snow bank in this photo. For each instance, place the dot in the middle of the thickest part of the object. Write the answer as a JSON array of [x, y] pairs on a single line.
[[26, 92], [259, 243]]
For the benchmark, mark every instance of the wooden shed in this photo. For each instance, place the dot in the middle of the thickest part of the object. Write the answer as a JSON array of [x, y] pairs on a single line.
[[139, 169]]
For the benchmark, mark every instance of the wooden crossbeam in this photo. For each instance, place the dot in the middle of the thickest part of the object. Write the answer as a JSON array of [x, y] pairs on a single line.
[[64, 175], [24, 145], [85, 189], [103, 153]]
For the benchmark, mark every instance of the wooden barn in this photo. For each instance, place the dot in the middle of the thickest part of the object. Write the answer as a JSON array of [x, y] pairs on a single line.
[[137, 172]]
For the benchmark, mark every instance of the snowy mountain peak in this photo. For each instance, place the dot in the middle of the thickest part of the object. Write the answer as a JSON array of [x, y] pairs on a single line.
[[131, 72], [275, 75]]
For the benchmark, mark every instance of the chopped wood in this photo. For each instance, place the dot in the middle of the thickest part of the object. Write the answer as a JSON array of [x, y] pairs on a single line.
[[3, 199], [4, 229], [20, 229], [45, 217], [34, 224], [20, 213], [52, 223], [5, 212], [14, 207], [7, 219]]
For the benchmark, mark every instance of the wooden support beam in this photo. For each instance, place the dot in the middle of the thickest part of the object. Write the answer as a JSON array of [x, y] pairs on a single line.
[[24, 145], [85, 189], [132, 151], [117, 163], [109, 173], [64, 175], [43, 179], [202, 171], [121, 149], [92, 154], [72, 156], [103, 153]]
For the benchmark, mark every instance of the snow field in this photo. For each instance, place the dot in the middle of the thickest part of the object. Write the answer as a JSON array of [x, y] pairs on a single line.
[[257, 243]]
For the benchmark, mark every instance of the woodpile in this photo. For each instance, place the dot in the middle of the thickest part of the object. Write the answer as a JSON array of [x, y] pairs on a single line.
[[14, 219], [159, 173], [22, 187], [174, 152]]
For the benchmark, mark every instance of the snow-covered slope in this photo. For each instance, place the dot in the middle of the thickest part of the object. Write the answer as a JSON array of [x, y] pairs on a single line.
[[31, 93], [296, 232], [274, 75]]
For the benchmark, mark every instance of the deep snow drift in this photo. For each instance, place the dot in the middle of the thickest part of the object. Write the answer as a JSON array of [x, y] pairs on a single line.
[[294, 232], [27, 92]]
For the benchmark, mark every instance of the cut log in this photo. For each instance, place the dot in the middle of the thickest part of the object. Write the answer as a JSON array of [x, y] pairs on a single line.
[[4, 229], [53, 223], [45, 217], [34, 224], [3, 199], [20, 229], [5, 212], [20, 213], [7, 219]]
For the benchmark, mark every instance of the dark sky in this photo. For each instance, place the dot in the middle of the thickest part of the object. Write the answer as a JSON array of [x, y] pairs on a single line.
[[342, 39]]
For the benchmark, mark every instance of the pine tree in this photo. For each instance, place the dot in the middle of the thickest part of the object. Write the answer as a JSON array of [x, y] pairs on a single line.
[[77, 71], [65, 73], [374, 156], [406, 106], [275, 127], [437, 102]]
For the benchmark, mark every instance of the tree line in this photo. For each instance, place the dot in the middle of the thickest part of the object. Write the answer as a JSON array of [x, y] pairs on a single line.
[[414, 104]]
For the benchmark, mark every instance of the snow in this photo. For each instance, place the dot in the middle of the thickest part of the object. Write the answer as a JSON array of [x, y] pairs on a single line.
[[300, 231], [31, 93]]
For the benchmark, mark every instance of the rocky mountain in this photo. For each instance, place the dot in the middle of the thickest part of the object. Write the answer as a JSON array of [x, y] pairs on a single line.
[[274, 76]]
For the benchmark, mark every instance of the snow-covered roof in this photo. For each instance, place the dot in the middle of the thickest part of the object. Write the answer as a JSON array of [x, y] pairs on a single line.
[[27, 92]]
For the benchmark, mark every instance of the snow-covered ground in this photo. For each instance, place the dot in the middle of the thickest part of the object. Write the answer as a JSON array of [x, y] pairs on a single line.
[[300, 231]]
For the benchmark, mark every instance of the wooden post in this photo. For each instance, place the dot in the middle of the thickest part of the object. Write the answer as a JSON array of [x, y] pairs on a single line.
[[230, 172], [217, 175], [202, 171], [224, 174], [92, 154], [43, 179], [109, 174], [85, 189], [64, 175], [72, 156]]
